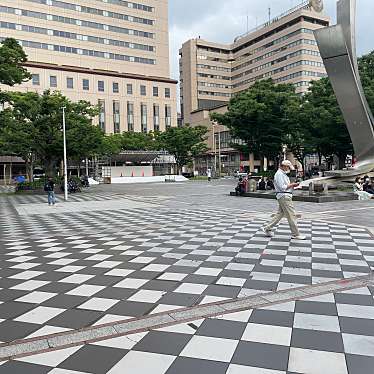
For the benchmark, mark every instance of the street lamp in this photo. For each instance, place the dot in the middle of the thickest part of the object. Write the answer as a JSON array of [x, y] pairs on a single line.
[[65, 158], [284, 149]]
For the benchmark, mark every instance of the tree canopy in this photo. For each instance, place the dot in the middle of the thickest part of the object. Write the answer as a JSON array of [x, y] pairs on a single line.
[[32, 128], [259, 117], [12, 56], [184, 143]]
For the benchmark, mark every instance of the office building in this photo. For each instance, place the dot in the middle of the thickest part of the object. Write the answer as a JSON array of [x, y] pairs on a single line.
[[283, 49], [114, 53]]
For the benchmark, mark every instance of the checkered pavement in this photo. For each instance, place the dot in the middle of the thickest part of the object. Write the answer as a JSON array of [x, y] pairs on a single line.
[[332, 334], [55, 276]]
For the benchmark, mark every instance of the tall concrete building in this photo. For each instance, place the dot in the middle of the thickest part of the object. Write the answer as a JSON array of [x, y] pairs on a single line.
[[283, 49], [110, 52]]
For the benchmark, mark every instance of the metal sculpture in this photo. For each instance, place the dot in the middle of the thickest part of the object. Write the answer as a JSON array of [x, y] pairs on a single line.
[[337, 45]]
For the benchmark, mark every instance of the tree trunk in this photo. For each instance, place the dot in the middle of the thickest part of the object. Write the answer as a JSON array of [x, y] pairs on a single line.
[[342, 159], [319, 159]]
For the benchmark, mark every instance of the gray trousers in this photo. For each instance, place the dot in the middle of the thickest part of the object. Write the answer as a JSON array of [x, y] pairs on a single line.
[[286, 210]]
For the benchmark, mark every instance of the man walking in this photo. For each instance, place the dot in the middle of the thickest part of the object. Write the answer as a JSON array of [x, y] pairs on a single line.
[[49, 187], [284, 189]]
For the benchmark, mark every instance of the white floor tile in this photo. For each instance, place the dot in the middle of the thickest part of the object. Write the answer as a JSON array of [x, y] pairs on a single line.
[[355, 311], [30, 285], [36, 297], [53, 358], [173, 276], [359, 344], [26, 275], [76, 278], [316, 322], [143, 260], [107, 264], [99, 304], [71, 269], [206, 348], [238, 316], [47, 330], [147, 296], [156, 267], [191, 288], [85, 290], [228, 281], [40, 315], [119, 272], [132, 283], [316, 362], [143, 363], [239, 369], [208, 271], [267, 334]]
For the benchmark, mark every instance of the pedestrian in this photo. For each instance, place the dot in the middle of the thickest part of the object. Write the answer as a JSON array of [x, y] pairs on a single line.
[[262, 184], [49, 187], [284, 189], [209, 174]]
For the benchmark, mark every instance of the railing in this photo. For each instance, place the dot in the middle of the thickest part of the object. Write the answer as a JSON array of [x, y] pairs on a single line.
[[303, 5]]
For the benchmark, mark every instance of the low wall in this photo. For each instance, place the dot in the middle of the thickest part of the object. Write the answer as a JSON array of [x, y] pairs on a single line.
[[162, 178], [7, 189], [128, 171]]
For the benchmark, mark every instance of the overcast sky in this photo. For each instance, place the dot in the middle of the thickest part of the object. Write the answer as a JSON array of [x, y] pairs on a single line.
[[223, 20]]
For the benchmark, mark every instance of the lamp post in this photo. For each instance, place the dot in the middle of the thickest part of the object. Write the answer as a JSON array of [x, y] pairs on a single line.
[[284, 149], [65, 158], [219, 154]]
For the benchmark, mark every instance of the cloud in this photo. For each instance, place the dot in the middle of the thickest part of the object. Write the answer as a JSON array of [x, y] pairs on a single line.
[[222, 20]]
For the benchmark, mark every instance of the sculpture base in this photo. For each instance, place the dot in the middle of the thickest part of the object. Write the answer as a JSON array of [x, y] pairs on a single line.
[[305, 197]]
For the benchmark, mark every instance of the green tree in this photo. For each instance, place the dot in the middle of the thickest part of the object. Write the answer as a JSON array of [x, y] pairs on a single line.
[[366, 67], [258, 117], [17, 135], [321, 119], [184, 143], [111, 145], [139, 141], [12, 56], [34, 127]]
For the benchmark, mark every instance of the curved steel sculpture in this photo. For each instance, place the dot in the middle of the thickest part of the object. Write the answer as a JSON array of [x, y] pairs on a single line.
[[337, 45]]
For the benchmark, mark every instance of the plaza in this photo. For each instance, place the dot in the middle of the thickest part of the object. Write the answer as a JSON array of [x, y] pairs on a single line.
[[175, 278]]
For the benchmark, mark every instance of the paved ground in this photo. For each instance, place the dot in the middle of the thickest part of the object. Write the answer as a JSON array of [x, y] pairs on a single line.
[[119, 252]]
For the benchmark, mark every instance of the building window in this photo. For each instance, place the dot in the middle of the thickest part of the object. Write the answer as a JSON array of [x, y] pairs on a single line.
[[156, 117], [143, 90], [116, 117], [86, 84], [102, 114], [130, 116], [36, 79], [155, 91], [115, 87], [100, 86], [144, 118], [69, 83], [52, 81], [167, 116], [167, 93], [129, 89]]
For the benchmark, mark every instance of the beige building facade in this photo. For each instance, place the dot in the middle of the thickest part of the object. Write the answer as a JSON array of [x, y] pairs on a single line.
[[113, 53], [283, 49]]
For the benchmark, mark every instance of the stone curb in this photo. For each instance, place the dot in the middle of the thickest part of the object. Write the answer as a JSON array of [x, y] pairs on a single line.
[[28, 347]]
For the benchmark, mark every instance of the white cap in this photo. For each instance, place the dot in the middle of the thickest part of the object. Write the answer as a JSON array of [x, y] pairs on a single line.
[[288, 163]]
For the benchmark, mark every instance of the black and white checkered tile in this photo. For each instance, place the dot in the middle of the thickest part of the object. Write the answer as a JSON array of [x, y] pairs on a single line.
[[331, 334], [157, 260]]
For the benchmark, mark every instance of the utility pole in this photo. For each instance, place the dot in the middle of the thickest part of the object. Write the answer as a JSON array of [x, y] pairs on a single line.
[[219, 153], [65, 157]]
